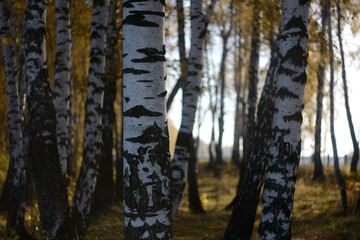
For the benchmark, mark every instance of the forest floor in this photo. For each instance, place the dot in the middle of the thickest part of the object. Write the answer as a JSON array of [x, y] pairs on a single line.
[[317, 210]]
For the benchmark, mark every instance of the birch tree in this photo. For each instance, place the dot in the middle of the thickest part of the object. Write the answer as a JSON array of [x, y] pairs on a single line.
[[86, 182], [17, 171], [179, 165], [355, 157], [284, 151], [61, 89], [147, 204], [318, 167], [104, 189], [339, 177], [43, 152]]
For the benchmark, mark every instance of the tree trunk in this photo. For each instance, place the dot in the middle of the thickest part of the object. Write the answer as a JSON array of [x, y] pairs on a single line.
[[191, 92], [235, 156], [318, 167], [104, 189], [242, 219], [285, 149], [182, 53], [195, 204], [355, 157], [61, 89], [16, 197], [92, 146], [340, 178], [43, 152], [252, 88], [147, 202]]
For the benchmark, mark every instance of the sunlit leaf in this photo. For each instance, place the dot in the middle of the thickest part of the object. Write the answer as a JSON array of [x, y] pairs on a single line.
[[7, 40]]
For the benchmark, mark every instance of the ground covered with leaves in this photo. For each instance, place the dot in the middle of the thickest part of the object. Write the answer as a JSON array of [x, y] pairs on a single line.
[[317, 210]]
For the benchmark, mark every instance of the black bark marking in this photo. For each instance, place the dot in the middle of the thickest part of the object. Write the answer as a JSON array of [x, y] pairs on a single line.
[[141, 111], [127, 99], [285, 71], [283, 93], [301, 78], [139, 20], [163, 94], [296, 56], [152, 55], [297, 117], [135, 71], [296, 22]]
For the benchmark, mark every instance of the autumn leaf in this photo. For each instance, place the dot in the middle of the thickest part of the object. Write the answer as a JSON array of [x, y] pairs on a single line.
[[20, 5], [7, 40]]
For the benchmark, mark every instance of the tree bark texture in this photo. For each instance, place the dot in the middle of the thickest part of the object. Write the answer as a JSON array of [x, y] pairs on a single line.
[[147, 203], [318, 167], [17, 170], [340, 178], [43, 152], [285, 148], [355, 157], [242, 219], [252, 87], [61, 89], [191, 91], [104, 190], [92, 146]]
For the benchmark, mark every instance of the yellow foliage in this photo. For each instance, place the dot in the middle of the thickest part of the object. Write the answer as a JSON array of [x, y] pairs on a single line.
[[20, 5]]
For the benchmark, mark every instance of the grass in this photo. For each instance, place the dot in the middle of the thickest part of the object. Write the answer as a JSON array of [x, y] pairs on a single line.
[[317, 211]]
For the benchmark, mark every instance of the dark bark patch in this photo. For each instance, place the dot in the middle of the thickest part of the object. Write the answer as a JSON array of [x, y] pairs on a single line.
[[296, 56], [127, 99], [149, 135], [138, 20], [152, 55], [302, 78], [141, 111], [297, 117], [135, 71], [296, 22], [163, 94], [283, 93]]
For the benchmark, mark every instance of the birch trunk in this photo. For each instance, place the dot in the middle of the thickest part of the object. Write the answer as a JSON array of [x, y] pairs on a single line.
[[191, 91], [61, 89], [242, 219], [104, 189], [43, 152], [340, 178], [86, 182], [318, 167], [147, 203], [284, 151], [355, 157], [17, 170]]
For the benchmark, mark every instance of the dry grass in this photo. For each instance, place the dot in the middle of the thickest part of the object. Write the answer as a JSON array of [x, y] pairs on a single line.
[[317, 211]]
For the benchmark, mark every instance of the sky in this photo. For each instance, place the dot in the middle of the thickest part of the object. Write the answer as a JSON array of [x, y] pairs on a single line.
[[342, 132]]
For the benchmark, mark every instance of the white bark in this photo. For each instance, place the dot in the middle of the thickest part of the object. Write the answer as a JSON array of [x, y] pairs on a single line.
[[93, 128], [284, 152], [61, 87], [146, 170], [191, 93]]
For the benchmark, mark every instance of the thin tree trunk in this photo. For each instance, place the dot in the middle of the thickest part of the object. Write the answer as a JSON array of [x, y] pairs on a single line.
[[355, 157], [242, 219], [340, 178], [318, 167], [147, 202], [16, 197], [92, 145], [182, 53], [285, 149], [61, 89], [225, 34], [104, 189], [252, 88], [43, 152], [191, 92]]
